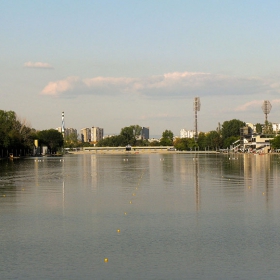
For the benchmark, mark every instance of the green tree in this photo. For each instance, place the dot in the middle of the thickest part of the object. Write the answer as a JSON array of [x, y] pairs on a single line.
[[167, 138], [229, 141], [268, 128], [213, 140], [131, 133], [275, 143], [202, 140], [184, 144], [231, 130], [71, 141], [7, 128], [155, 143], [258, 128], [113, 141], [51, 138], [14, 133]]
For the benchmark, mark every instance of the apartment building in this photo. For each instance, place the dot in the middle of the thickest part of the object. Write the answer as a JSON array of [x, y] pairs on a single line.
[[86, 134], [187, 133], [96, 134]]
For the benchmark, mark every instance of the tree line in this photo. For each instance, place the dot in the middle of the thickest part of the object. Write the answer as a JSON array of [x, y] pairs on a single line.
[[212, 140], [17, 135], [131, 135]]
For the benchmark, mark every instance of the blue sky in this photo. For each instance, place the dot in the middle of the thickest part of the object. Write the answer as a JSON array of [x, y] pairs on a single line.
[[116, 63]]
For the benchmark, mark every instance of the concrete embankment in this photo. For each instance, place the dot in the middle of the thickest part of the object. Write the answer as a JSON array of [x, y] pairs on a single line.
[[140, 152]]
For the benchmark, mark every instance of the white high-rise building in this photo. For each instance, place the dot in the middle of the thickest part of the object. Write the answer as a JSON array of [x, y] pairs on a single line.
[[96, 134], [276, 127], [85, 135], [187, 133]]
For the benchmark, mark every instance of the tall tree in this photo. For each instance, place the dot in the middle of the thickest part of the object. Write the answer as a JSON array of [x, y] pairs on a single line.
[[258, 128], [213, 140], [167, 138], [14, 133], [184, 144], [131, 133], [202, 140], [51, 138], [232, 128], [275, 143], [231, 131]]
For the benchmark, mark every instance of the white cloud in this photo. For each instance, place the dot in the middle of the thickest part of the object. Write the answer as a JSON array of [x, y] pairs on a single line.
[[255, 104], [42, 65], [249, 105], [66, 85], [176, 85]]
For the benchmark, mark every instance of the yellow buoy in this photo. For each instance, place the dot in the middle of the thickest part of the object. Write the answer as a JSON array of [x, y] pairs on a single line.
[[130, 202], [125, 213], [4, 195], [118, 230], [105, 260]]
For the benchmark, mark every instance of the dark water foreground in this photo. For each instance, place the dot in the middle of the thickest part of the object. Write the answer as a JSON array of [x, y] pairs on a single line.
[[158, 216]]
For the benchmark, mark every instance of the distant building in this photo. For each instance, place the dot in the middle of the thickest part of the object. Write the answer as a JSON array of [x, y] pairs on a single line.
[[276, 127], [85, 135], [252, 126], [145, 133], [96, 134], [187, 133], [108, 136], [153, 140], [69, 131]]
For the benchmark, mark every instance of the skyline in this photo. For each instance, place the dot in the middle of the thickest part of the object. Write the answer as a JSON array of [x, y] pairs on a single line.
[[113, 64]]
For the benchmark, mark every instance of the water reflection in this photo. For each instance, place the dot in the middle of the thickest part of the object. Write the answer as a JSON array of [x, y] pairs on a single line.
[[197, 192], [190, 215]]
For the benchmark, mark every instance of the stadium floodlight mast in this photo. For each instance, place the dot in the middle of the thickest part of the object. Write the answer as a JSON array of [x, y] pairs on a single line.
[[266, 107], [196, 108]]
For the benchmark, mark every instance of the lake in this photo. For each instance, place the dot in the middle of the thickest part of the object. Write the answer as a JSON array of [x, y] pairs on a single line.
[[140, 216]]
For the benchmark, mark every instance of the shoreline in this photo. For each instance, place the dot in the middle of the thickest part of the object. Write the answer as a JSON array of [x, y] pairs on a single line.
[[117, 152], [140, 152]]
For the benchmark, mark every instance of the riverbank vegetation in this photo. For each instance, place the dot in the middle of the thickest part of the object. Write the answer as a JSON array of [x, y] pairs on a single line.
[[17, 137]]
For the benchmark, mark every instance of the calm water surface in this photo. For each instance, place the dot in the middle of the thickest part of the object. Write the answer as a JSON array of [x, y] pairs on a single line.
[[157, 216]]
